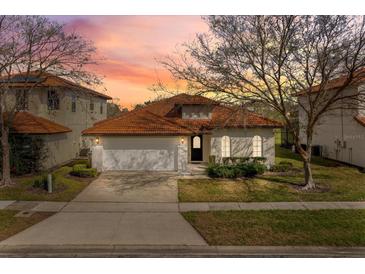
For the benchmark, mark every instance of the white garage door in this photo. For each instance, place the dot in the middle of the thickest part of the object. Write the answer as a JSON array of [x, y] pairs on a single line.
[[140, 153]]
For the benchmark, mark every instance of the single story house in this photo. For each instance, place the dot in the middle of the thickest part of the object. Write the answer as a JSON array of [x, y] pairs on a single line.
[[170, 133]]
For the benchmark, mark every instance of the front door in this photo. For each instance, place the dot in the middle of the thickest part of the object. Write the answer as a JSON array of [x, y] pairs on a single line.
[[196, 148]]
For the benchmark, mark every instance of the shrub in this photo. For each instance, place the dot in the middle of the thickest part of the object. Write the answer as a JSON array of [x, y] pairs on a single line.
[[225, 160], [85, 162], [250, 169], [258, 159], [81, 170], [235, 170], [27, 154]]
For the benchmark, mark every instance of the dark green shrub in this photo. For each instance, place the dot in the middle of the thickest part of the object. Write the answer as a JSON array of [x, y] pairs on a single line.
[[250, 169], [235, 170], [81, 170], [27, 153]]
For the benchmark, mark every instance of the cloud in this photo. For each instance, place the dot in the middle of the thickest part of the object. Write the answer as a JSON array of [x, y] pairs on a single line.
[[130, 46]]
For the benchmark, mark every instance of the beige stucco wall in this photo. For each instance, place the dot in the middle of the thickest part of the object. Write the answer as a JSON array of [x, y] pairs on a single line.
[[241, 142], [64, 147], [341, 137]]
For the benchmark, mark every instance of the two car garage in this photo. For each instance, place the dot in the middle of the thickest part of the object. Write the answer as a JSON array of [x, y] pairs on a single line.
[[139, 153]]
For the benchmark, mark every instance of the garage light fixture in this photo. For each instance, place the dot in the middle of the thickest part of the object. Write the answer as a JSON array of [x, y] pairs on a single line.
[[182, 140], [97, 140]]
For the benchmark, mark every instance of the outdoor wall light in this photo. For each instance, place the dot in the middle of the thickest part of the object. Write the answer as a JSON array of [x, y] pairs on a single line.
[[97, 140], [182, 140]]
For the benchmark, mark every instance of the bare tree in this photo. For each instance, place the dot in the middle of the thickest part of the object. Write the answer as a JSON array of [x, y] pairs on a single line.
[[32, 47], [270, 59]]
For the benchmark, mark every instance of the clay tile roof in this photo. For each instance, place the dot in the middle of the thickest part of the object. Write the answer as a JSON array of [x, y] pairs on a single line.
[[359, 77], [155, 119], [223, 116], [142, 122], [27, 123], [360, 119], [50, 80]]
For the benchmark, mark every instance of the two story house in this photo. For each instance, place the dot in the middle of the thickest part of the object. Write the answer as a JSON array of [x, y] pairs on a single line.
[[340, 132], [57, 110], [170, 133]]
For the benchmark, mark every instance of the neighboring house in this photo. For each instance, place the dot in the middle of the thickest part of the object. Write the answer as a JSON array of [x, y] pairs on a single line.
[[170, 133], [57, 110], [340, 133]]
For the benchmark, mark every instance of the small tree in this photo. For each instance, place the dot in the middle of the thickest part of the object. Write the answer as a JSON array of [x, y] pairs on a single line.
[[270, 59], [31, 47]]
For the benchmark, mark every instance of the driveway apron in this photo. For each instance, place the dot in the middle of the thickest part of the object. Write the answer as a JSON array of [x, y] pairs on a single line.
[[118, 208]]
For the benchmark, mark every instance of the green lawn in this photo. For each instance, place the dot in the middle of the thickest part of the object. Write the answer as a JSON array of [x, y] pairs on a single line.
[[281, 227], [336, 182], [66, 188], [10, 225]]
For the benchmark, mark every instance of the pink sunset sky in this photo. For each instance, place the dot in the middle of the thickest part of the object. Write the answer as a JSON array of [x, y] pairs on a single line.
[[131, 46]]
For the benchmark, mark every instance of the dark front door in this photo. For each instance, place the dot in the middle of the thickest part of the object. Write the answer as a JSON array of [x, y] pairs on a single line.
[[196, 148]]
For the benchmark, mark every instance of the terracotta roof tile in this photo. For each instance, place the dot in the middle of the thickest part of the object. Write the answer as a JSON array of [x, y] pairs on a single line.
[[140, 122], [27, 123], [155, 119], [359, 77], [360, 119], [50, 80]]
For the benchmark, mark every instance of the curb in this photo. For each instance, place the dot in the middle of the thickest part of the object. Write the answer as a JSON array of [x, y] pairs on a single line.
[[108, 251]]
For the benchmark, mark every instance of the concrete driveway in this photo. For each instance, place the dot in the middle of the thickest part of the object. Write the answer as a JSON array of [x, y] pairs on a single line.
[[135, 187], [119, 208]]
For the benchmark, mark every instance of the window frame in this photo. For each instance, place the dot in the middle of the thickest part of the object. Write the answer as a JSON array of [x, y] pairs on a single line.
[[101, 108], [73, 103], [24, 103], [91, 106], [53, 100], [226, 146], [199, 144], [257, 149]]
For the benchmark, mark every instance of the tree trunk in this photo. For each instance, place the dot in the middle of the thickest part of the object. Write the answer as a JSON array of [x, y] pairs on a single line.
[[6, 179], [306, 156], [308, 179]]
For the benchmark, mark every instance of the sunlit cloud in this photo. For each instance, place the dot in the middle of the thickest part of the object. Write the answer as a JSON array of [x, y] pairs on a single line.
[[131, 47]]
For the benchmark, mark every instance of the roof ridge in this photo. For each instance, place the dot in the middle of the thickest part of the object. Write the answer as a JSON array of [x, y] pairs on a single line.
[[169, 121]]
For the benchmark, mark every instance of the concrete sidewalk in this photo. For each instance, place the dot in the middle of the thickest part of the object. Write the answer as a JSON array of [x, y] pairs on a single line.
[[172, 251], [77, 206]]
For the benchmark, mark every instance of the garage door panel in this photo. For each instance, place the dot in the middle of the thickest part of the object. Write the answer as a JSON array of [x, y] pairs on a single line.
[[140, 153], [139, 160]]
